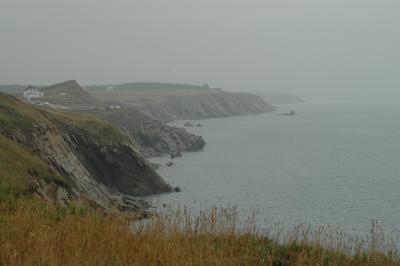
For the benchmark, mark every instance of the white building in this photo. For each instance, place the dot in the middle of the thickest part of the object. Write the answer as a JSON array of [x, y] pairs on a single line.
[[113, 107], [31, 92]]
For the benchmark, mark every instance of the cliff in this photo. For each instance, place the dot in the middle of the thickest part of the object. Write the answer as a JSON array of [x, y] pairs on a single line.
[[152, 137], [206, 105], [167, 102], [68, 157]]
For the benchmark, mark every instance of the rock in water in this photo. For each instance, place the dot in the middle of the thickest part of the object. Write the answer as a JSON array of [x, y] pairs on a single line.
[[156, 166], [169, 164], [188, 124], [291, 113], [175, 155]]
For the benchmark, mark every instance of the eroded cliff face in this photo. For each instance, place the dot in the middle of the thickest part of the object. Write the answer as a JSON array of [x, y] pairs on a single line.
[[153, 137], [211, 104], [95, 161], [107, 174]]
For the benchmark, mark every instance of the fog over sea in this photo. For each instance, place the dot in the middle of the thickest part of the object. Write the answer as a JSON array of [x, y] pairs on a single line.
[[335, 162]]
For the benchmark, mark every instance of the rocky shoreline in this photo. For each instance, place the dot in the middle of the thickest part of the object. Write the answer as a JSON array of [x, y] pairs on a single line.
[[98, 153], [152, 137], [212, 104]]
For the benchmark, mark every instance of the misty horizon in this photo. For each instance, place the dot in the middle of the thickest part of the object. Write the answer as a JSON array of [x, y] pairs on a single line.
[[323, 48]]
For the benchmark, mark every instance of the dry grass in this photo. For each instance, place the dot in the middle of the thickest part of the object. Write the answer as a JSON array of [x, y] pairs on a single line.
[[34, 233]]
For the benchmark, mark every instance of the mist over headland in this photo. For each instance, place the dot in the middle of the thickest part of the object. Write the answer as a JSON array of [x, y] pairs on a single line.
[[311, 48]]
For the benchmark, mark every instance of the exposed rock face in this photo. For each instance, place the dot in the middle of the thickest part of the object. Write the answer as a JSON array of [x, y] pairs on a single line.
[[53, 191], [110, 174], [151, 136], [206, 105], [168, 102], [116, 166]]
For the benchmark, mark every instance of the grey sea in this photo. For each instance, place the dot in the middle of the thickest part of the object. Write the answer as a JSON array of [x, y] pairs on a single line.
[[335, 163]]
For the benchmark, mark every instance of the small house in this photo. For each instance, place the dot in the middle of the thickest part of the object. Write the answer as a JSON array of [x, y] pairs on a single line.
[[114, 107], [32, 92]]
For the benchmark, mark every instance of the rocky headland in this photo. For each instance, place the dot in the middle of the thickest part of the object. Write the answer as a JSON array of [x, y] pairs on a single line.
[[94, 149], [67, 157], [152, 137], [212, 104], [168, 102]]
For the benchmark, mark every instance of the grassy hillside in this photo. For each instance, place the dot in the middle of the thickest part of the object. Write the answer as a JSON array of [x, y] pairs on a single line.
[[13, 110], [68, 93], [19, 167], [15, 114]]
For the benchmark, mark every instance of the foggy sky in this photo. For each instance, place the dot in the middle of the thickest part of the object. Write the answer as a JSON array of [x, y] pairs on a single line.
[[300, 46]]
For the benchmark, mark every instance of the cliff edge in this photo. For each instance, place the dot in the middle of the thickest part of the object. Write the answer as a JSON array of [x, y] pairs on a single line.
[[68, 157], [168, 102]]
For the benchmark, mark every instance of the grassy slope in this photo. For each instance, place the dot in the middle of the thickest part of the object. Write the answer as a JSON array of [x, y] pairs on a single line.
[[74, 236], [92, 126], [75, 95], [18, 166], [22, 115], [13, 109]]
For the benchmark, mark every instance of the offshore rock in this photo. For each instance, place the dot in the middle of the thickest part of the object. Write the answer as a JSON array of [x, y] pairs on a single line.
[[188, 124]]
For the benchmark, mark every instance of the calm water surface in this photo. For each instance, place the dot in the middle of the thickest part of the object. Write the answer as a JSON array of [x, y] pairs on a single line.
[[334, 163]]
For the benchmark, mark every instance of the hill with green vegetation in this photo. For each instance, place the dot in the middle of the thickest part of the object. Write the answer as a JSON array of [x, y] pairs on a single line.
[[68, 93], [20, 168], [64, 156]]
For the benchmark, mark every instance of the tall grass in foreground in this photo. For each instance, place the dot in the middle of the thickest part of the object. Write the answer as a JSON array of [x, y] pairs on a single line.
[[35, 233]]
